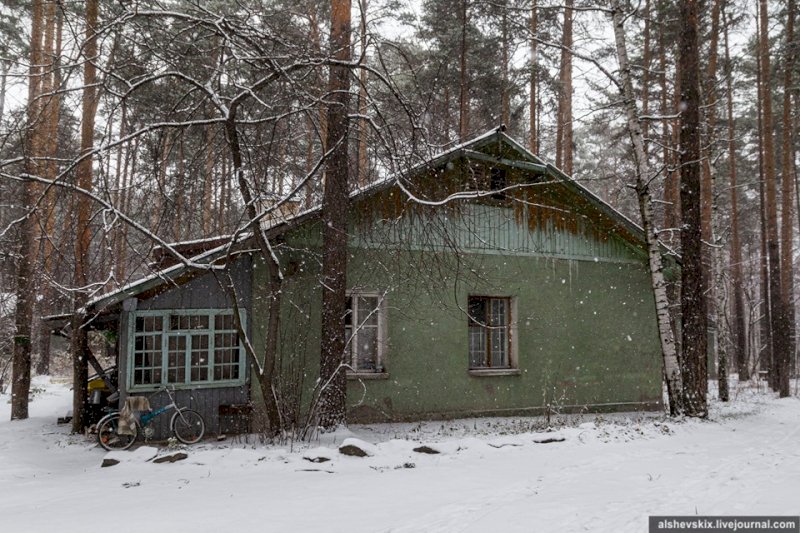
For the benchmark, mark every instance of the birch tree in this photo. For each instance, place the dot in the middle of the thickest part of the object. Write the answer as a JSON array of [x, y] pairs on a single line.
[[672, 373]]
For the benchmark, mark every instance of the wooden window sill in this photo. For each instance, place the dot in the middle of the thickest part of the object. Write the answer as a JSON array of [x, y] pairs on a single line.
[[490, 372], [367, 375]]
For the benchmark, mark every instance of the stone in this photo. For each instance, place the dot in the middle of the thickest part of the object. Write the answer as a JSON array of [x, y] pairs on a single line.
[[171, 458], [352, 450], [426, 449]]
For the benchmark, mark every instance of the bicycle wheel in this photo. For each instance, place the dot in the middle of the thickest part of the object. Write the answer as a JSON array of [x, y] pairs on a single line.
[[188, 426], [108, 437]]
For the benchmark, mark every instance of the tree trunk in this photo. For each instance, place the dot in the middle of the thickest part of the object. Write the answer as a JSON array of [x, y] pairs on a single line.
[[119, 185], [463, 85], [739, 331], [79, 341], [534, 100], [787, 211], [21, 361], [505, 90], [180, 191], [52, 112], [333, 380], [694, 370], [266, 373], [314, 137], [646, 60], [564, 132], [764, 356], [363, 124], [672, 372], [779, 325], [709, 217]]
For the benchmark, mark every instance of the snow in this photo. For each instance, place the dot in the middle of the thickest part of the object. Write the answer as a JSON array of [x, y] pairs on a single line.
[[8, 300], [512, 474]]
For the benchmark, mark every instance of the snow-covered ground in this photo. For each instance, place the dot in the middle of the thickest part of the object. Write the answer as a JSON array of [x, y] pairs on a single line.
[[608, 474]]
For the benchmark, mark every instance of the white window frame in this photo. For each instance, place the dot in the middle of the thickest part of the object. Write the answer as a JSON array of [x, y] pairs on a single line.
[[351, 342], [512, 369], [165, 332]]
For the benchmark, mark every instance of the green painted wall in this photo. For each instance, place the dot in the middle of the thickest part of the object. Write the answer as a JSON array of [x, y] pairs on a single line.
[[586, 327]]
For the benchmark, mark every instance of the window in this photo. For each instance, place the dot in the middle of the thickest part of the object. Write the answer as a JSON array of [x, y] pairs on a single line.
[[489, 326], [498, 181], [364, 331], [185, 348]]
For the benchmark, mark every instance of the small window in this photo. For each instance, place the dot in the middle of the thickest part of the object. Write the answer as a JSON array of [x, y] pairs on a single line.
[[489, 329], [364, 332], [498, 181]]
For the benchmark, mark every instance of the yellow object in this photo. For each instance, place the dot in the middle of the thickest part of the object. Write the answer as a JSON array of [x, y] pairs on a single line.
[[97, 384]]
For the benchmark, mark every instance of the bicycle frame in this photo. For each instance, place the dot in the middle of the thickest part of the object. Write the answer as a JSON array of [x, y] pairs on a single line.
[[145, 418]]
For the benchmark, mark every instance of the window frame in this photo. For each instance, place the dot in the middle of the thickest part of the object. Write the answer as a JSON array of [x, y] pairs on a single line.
[[511, 368], [351, 342], [167, 333]]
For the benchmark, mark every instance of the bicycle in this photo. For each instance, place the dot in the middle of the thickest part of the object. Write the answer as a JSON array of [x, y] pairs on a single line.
[[186, 424]]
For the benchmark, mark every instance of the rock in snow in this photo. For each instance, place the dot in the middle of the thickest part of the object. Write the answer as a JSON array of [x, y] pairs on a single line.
[[318, 455], [171, 457], [357, 448], [426, 449]]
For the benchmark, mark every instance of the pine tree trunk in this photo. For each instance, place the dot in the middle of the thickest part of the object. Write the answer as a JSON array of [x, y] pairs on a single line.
[[335, 204], [79, 341], [505, 89], [739, 330], [463, 85], [52, 112], [672, 372], [363, 124], [671, 200], [564, 131], [119, 181], [534, 96], [694, 370], [646, 61], [23, 318], [778, 318], [764, 357], [787, 211], [180, 191]]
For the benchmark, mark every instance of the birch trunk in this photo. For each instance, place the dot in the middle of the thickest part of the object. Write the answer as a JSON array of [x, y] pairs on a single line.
[[672, 372]]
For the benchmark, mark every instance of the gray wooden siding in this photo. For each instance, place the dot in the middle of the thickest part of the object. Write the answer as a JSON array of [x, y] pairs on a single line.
[[205, 401], [205, 292], [200, 293]]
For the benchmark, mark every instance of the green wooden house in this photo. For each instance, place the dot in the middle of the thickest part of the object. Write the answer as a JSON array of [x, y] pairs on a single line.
[[483, 282]]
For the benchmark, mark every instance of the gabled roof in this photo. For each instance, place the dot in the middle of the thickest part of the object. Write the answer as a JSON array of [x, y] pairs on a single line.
[[276, 225], [525, 160]]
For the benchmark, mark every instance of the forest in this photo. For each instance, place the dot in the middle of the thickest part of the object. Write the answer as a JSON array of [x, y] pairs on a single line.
[[130, 126]]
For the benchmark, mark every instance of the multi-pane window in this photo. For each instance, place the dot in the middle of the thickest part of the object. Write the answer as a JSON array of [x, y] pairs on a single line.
[[364, 332], [489, 326], [185, 348]]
